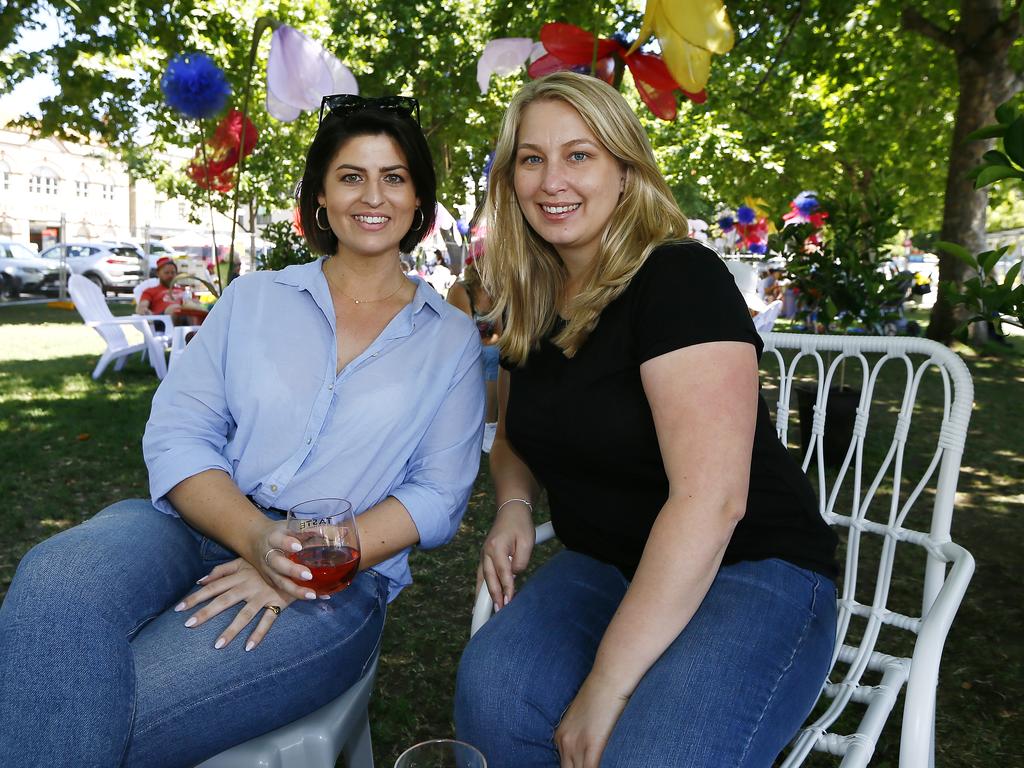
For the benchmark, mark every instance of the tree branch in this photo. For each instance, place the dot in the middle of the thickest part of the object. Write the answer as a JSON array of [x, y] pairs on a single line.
[[912, 20], [797, 13]]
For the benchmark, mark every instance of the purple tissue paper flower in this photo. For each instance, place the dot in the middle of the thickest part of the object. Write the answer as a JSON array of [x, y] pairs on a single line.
[[745, 214], [726, 223], [195, 86], [758, 248]]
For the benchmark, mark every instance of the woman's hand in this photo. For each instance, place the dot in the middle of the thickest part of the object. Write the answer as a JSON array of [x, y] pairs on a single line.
[[267, 554], [229, 584], [587, 724], [506, 552]]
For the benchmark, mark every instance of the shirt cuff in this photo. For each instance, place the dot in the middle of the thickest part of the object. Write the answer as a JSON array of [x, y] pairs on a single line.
[[429, 511], [170, 469]]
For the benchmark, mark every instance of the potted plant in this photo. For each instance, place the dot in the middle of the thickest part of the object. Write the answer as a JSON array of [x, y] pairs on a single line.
[[840, 273]]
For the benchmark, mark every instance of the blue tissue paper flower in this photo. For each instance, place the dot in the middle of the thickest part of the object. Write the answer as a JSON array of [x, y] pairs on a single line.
[[758, 248], [806, 203], [195, 86], [726, 223], [745, 214]]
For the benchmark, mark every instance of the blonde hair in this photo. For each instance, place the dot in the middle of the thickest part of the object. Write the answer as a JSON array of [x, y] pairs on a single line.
[[523, 273]]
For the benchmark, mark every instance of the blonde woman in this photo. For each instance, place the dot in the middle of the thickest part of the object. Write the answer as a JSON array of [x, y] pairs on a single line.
[[690, 619]]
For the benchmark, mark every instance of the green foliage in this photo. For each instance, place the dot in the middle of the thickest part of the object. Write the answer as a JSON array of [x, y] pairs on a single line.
[[842, 282], [983, 295], [288, 246]]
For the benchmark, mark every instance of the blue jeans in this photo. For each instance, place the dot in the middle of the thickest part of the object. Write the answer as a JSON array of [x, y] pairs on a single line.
[[491, 358], [731, 690], [96, 669]]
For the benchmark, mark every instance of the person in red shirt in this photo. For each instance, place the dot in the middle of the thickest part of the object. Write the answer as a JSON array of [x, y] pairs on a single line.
[[168, 298]]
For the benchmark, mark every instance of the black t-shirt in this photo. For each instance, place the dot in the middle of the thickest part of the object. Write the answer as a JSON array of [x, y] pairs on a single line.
[[584, 426]]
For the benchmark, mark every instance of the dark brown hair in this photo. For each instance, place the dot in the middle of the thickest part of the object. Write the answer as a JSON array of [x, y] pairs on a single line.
[[333, 132]]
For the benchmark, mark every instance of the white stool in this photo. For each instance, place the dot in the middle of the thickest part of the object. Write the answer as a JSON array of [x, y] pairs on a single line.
[[314, 741]]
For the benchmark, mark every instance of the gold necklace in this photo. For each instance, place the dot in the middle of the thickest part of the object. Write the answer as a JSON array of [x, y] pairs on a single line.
[[354, 300]]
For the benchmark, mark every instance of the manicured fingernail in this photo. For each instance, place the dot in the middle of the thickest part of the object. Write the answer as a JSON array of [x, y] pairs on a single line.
[[200, 581], [249, 646], [325, 597], [307, 575], [219, 644], [191, 622], [497, 607], [296, 547], [179, 607], [311, 595]]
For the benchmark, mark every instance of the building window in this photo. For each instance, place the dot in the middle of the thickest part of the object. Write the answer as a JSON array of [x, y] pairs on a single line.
[[107, 191], [81, 188], [43, 181], [182, 210], [5, 177]]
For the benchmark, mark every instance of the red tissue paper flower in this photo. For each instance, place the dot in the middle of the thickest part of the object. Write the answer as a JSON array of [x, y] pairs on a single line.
[[223, 154], [572, 48]]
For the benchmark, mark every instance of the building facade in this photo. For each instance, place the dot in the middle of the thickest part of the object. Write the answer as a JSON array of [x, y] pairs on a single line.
[[49, 183]]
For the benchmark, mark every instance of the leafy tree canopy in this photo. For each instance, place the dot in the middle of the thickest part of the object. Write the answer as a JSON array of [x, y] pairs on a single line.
[[817, 94]]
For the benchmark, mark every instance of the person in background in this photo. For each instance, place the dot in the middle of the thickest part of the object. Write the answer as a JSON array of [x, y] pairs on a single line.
[[468, 294], [440, 276], [167, 298], [163, 631], [691, 616]]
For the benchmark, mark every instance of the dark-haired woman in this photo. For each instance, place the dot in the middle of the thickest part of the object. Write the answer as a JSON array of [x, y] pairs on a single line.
[[338, 378]]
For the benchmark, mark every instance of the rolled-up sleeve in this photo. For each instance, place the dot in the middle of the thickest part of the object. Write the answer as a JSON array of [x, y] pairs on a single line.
[[442, 470], [190, 422]]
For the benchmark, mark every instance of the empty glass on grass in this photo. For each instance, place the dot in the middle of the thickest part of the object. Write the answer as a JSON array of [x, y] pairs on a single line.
[[441, 753], [326, 528]]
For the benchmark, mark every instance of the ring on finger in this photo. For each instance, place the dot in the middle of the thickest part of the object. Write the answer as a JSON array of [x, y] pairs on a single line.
[[266, 556], [275, 608]]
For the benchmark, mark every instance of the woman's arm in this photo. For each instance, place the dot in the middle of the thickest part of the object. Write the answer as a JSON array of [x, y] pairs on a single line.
[[509, 544], [458, 296], [704, 402]]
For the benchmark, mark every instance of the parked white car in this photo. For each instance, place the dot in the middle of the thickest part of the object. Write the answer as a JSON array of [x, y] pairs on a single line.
[[23, 271], [111, 266]]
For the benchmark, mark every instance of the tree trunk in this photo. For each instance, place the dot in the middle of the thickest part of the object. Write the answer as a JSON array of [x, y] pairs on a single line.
[[981, 44]]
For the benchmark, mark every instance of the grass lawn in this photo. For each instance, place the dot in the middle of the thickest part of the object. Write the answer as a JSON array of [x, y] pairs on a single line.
[[71, 445]]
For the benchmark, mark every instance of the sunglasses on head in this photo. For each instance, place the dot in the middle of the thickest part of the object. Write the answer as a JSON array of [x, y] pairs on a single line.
[[344, 104]]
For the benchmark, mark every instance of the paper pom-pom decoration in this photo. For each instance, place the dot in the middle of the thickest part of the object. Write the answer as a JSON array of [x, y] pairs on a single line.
[[195, 86]]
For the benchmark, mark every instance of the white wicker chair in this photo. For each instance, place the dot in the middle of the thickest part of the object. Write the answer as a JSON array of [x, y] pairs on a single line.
[[876, 496]]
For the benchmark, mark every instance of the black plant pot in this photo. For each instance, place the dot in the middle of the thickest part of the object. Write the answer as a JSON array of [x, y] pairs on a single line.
[[841, 413]]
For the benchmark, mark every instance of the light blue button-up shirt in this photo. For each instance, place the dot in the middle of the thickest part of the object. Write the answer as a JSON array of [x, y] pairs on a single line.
[[256, 395]]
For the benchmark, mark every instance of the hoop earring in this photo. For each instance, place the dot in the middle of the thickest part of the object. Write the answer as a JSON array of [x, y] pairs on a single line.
[[316, 216], [423, 218]]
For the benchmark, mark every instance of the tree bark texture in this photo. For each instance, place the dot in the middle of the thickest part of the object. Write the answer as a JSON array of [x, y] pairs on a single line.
[[980, 43]]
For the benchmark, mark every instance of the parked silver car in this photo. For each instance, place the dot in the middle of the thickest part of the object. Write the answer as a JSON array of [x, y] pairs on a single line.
[[23, 271], [111, 266]]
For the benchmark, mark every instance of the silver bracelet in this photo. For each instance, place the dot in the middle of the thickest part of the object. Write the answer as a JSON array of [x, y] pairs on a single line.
[[524, 501]]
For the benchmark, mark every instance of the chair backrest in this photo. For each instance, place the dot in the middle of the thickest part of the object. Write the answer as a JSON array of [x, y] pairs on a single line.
[[149, 282], [88, 300], [765, 321], [889, 492]]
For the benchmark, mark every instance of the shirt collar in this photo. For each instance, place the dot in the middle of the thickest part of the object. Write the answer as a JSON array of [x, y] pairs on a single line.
[[310, 277]]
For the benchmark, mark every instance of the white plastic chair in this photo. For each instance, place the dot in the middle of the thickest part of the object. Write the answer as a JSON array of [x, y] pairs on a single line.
[[91, 305], [877, 507], [340, 727], [180, 336], [764, 321]]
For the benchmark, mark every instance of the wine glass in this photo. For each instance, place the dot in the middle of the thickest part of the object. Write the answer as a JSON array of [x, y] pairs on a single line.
[[326, 529], [441, 753]]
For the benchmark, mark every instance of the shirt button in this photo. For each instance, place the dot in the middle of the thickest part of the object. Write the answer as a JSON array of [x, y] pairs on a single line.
[[309, 440], [273, 488], [331, 385]]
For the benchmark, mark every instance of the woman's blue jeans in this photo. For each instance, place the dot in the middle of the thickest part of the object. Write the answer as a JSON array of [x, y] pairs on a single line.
[[731, 690], [96, 668]]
